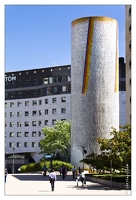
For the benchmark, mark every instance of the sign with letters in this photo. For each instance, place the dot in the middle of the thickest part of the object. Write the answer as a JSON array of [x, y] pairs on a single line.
[[10, 78]]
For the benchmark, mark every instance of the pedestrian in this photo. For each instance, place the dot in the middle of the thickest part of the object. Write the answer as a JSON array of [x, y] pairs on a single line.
[[77, 177], [53, 178], [6, 173], [82, 177], [63, 172], [73, 172], [44, 169], [60, 170], [79, 170]]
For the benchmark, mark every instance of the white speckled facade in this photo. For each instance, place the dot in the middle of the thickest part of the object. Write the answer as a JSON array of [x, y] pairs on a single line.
[[94, 83]]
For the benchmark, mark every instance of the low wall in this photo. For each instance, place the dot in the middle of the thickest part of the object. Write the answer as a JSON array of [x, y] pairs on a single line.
[[106, 182]]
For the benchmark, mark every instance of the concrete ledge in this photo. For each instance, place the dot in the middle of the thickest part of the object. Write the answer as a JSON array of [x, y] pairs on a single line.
[[106, 182]]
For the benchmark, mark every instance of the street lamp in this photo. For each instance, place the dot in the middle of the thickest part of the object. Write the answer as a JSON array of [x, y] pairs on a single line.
[[13, 160]]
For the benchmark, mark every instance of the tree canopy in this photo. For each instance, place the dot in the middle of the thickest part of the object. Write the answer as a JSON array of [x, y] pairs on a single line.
[[117, 149], [57, 138]]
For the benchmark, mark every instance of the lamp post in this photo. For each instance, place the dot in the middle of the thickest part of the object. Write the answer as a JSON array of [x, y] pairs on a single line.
[[13, 160]]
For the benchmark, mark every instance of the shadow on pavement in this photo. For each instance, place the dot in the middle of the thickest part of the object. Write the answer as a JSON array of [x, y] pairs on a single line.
[[40, 177]]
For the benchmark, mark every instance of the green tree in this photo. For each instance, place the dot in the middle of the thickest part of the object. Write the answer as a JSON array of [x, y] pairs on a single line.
[[57, 139], [117, 149], [118, 146]]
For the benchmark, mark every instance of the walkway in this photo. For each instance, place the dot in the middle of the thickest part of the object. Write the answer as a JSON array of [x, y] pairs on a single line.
[[37, 184]]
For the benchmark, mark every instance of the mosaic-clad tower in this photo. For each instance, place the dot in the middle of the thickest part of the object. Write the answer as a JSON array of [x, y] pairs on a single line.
[[94, 83]]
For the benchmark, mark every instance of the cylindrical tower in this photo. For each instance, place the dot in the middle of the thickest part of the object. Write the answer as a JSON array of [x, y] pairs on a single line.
[[94, 83]]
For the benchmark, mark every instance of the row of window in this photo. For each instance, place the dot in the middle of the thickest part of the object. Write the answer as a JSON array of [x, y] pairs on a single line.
[[34, 82], [35, 112], [38, 92], [25, 134], [25, 144], [34, 123], [35, 102]]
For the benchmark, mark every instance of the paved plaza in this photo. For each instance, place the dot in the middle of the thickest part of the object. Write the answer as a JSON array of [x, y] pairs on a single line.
[[37, 184]]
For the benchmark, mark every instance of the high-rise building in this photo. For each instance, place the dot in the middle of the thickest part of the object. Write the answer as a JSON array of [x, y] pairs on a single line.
[[128, 62], [34, 99]]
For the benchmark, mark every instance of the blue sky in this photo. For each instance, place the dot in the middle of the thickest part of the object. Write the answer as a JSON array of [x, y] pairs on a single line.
[[38, 36]]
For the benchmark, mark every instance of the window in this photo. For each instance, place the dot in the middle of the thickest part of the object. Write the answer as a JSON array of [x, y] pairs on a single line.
[[34, 113], [11, 144], [63, 110], [34, 134], [55, 89], [11, 124], [130, 29], [11, 104], [19, 104], [12, 84], [40, 133], [54, 100], [26, 103], [46, 122], [18, 134], [130, 64], [48, 91], [34, 103], [26, 123], [26, 113], [27, 93], [20, 83], [27, 82], [40, 102], [35, 82], [5, 114], [20, 94], [45, 81], [130, 46], [64, 88], [12, 94], [129, 11], [11, 114], [19, 114], [33, 144], [46, 101], [46, 111], [40, 123], [54, 111], [34, 92], [40, 112], [53, 121], [63, 99], [63, 119], [130, 81], [26, 134], [5, 105], [18, 144], [5, 124], [33, 123], [68, 78], [11, 134], [26, 144], [18, 124]]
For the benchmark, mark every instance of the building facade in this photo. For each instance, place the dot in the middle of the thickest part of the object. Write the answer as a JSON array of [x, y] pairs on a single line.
[[34, 99], [94, 83], [128, 62], [122, 92]]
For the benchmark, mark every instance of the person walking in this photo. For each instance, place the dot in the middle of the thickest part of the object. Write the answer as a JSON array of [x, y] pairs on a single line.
[[73, 172], [44, 169], [60, 170], [77, 177], [6, 173], [53, 178], [63, 172], [82, 176]]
